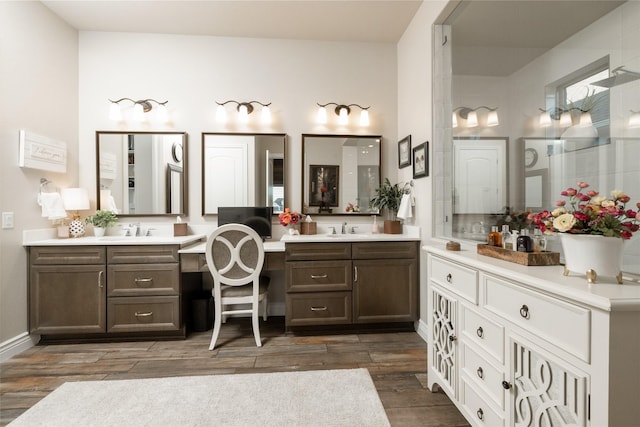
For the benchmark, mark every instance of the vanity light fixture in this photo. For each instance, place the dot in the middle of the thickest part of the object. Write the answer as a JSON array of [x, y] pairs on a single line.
[[634, 120], [342, 111], [140, 107], [471, 116], [563, 115], [244, 109]]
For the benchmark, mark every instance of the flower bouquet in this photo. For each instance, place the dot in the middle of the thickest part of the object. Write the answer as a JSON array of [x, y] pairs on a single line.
[[289, 218]]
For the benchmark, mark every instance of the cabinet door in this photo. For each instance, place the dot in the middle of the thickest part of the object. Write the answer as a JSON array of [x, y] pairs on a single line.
[[385, 290], [442, 353], [546, 391], [67, 299]]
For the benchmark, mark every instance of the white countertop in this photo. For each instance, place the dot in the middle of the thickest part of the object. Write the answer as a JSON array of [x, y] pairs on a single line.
[[199, 248], [116, 241], [606, 294]]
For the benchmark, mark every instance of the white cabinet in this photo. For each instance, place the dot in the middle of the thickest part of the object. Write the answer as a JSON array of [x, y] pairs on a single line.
[[526, 346]]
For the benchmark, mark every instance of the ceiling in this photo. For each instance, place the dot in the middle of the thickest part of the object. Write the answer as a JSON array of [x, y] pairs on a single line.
[[379, 21]]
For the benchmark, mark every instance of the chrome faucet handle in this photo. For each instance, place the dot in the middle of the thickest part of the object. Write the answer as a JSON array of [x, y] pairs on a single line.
[[148, 233], [333, 230], [353, 229], [344, 228]]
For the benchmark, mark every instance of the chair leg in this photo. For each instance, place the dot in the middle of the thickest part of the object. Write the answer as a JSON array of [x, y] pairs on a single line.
[[256, 327], [216, 324], [264, 308]]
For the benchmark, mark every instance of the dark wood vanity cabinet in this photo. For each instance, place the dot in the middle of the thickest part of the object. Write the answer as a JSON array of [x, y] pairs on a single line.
[[67, 290], [105, 292], [344, 283]]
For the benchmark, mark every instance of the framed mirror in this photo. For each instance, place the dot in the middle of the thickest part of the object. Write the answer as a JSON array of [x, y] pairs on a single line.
[[243, 169], [340, 173], [141, 173]]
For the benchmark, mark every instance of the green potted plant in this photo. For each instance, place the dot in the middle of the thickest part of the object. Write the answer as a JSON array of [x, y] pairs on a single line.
[[388, 197], [101, 220]]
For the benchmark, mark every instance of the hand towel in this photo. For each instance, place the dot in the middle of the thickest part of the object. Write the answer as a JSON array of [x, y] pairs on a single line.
[[52, 206], [404, 211], [108, 202]]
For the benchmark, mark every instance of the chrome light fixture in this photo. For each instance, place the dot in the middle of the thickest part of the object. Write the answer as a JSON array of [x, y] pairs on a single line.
[[342, 111], [140, 108], [563, 116], [244, 109], [470, 115]]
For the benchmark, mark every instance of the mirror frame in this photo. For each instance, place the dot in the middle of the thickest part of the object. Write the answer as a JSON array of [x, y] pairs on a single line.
[[185, 185], [305, 184], [202, 157]]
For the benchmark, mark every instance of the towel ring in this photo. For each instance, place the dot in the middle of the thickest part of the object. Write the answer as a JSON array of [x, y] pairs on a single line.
[[43, 184]]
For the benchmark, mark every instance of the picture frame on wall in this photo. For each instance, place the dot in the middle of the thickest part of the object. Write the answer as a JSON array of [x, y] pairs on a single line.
[[421, 160], [404, 152], [324, 185]]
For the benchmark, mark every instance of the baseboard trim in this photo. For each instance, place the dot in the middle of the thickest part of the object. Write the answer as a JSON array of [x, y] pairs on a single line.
[[422, 329], [17, 345]]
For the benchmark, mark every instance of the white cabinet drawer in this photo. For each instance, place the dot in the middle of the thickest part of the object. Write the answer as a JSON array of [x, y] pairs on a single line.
[[479, 411], [565, 325], [455, 278], [484, 332], [487, 376]]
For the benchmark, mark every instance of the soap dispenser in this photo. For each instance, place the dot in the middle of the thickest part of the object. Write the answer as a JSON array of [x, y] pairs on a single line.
[[374, 225]]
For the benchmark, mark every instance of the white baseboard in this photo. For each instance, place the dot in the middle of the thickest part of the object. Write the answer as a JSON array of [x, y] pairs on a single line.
[[17, 345], [422, 329]]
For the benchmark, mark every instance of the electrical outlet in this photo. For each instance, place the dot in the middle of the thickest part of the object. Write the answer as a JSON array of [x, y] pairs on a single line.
[[7, 219]]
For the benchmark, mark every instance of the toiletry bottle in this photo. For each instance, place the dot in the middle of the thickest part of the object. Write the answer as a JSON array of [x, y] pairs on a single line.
[[524, 242], [374, 225], [506, 237], [494, 238], [514, 239], [539, 241]]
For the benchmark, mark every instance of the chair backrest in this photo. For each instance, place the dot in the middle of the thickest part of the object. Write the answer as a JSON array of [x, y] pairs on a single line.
[[235, 254]]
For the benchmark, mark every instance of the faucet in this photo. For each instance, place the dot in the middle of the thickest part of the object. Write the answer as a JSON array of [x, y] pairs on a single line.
[[344, 228], [133, 229], [333, 230]]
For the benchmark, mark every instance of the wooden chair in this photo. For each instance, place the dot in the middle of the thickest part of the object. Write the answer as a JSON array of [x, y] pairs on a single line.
[[235, 255]]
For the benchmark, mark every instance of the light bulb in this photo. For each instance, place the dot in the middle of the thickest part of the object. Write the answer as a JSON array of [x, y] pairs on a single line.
[[454, 120], [243, 114], [472, 119], [343, 118], [221, 114], [565, 119], [364, 118], [545, 119], [138, 113], [265, 115], [492, 119], [115, 113], [162, 115], [322, 115]]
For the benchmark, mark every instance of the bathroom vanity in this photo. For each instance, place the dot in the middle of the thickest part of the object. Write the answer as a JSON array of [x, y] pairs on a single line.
[[516, 345]]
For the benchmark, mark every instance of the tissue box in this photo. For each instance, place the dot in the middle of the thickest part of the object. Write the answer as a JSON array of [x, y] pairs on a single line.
[[180, 229], [308, 227]]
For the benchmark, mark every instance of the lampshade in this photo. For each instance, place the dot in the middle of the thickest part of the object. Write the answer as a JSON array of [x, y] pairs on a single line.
[[545, 119], [115, 113], [243, 113], [634, 120], [221, 114], [75, 199], [454, 120], [364, 118], [162, 115], [265, 115], [585, 119], [343, 118], [472, 119], [138, 112], [565, 119], [322, 115], [492, 119]]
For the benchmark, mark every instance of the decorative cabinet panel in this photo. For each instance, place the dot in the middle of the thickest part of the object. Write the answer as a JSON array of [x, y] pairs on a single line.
[[344, 283], [527, 346]]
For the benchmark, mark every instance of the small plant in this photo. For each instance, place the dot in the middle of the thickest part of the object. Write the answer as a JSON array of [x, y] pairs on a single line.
[[102, 219], [389, 197]]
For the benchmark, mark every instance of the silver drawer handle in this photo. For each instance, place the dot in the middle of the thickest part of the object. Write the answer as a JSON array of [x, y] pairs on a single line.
[[480, 332], [147, 314], [319, 276], [324, 308], [480, 372], [449, 277], [143, 281], [524, 311], [480, 413], [100, 285]]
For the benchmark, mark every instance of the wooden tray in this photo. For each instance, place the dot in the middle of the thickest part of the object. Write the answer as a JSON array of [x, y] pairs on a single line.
[[522, 258]]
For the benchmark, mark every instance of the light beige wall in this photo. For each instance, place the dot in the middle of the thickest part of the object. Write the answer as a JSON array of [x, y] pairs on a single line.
[[39, 92]]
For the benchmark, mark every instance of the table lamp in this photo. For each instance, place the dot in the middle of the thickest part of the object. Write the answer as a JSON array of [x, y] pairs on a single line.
[[75, 199]]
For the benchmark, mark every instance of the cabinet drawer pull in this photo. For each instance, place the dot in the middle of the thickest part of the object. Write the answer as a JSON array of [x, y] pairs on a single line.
[[143, 281], [506, 385], [480, 372], [480, 413], [449, 277], [319, 276], [141, 314], [355, 273], [323, 308], [480, 332], [100, 285], [524, 311], [452, 338]]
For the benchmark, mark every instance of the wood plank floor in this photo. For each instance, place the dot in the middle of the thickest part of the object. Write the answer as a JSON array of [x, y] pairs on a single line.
[[395, 360]]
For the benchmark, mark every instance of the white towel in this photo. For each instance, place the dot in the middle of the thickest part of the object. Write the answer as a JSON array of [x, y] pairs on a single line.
[[107, 201], [52, 206], [404, 211]]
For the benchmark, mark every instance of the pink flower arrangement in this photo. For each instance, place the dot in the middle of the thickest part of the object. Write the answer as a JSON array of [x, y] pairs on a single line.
[[288, 217], [590, 213]]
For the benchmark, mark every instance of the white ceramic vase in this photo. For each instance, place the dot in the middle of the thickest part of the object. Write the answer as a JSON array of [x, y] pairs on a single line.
[[99, 231], [592, 255]]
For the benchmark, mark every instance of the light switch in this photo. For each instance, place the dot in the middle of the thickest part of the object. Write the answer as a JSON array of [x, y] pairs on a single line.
[[7, 219]]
